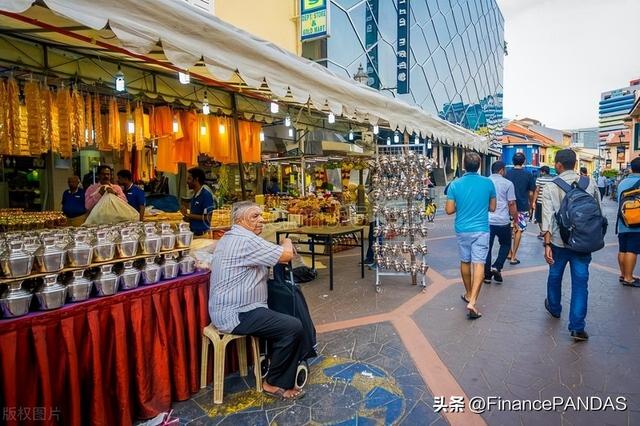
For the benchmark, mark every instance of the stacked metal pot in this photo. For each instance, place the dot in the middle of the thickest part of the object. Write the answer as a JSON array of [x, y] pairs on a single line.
[[399, 194], [72, 264]]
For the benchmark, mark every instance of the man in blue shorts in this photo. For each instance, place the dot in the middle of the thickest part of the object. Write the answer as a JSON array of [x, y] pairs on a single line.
[[471, 197], [525, 186]]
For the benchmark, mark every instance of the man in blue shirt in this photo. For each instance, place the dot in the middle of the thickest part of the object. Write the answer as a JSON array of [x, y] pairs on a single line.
[[525, 186], [628, 238], [201, 204], [135, 195], [471, 197], [73, 202]]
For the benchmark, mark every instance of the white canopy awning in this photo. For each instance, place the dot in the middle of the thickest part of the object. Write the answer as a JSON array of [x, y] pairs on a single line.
[[188, 35]]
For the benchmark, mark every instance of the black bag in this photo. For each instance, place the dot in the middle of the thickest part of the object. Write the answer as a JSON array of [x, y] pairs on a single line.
[[582, 225], [304, 274]]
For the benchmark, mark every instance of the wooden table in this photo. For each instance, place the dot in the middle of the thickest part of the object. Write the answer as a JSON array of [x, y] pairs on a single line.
[[325, 236]]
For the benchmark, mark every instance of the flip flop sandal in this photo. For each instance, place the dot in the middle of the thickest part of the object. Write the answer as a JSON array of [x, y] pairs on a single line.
[[279, 394], [621, 278], [472, 315], [464, 298], [634, 283], [514, 262]]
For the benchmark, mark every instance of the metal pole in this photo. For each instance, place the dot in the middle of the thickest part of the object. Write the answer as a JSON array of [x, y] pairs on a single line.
[[236, 128]]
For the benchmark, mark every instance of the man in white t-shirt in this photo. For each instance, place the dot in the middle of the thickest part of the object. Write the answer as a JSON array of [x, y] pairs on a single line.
[[602, 186], [500, 222]]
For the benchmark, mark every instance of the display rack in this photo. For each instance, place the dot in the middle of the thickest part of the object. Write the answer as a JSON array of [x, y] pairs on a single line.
[[400, 193]]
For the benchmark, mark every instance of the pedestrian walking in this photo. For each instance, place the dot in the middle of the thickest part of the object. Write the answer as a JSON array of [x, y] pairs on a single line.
[[628, 235], [470, 198], [525, 186], [544, 178], [602, 186], [500, 222], [570, 239]]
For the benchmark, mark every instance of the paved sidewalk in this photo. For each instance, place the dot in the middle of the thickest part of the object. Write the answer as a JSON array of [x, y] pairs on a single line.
[[384, 357]]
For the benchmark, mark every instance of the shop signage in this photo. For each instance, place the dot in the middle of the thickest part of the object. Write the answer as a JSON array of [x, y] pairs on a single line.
[[314, 19], [403, 46], [371, 41]]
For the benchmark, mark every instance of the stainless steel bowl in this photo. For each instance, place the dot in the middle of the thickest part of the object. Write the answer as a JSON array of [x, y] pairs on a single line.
[[79, 288], [15, 301], [130, 277], [168, 241], [106, 283], [104, 251], [80, 253], [170, 267], [52, 294], [151, 273], [184, 238], [15, 261], [150, 244], [127, 248], [187, 265], [50, 257]]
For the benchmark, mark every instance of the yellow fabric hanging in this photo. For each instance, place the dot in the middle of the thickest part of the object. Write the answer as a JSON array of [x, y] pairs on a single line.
[[115, 134], [34, 117], [128, 115], [64, 122], [97, 123], [139, 123], [51, 116], [78, 137], [88, 114], [4, 120]]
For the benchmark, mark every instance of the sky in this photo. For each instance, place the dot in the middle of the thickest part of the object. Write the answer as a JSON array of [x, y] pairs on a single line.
[[564, 53]]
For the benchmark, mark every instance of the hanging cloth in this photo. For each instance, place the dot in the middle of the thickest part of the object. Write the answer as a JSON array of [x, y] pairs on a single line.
[[78, 135], [139, 123], [127, 135], [97, 122], [250, 144], [88, 115], [64, 122], [115, 133], [32, 100]]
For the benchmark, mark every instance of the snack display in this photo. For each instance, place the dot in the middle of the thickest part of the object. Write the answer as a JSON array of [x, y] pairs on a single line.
[[12, 220], [315, 211], [221, 218]]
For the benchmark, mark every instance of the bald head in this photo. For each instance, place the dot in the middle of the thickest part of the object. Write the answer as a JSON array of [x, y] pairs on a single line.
[[73, 182]]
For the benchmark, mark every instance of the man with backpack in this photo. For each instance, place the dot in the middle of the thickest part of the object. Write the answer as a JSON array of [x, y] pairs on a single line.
[[573, 227], [628, 226]]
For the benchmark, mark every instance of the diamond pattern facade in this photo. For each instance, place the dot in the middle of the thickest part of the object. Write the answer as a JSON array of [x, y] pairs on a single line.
[[457, 49]]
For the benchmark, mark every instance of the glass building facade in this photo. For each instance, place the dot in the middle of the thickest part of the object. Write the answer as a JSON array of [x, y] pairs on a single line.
[[456, 52]]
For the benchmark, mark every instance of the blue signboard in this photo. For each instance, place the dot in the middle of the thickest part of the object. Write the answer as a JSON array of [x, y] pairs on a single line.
[[314, 19], [371, 41], [403, 46]]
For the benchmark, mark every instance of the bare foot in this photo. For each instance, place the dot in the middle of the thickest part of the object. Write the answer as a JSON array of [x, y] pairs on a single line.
[[293, 393]]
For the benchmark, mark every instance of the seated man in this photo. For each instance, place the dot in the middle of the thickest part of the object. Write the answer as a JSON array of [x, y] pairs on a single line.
[[238, 298]]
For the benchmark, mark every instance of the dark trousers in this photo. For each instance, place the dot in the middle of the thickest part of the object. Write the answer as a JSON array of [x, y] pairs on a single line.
[[369, 257], [503, 232], [284, 334], [603, 190]]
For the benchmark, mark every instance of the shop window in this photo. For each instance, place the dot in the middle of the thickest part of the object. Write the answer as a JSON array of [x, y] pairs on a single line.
[[636, 137]]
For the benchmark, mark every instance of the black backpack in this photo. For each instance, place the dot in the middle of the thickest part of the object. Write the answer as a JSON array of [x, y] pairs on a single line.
[[582, 225]]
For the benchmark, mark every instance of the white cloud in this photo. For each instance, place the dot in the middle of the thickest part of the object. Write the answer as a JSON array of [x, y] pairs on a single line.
[[564, 53]]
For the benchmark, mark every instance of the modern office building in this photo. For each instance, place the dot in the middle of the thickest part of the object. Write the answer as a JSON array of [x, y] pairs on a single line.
[[454, 60], [585, 138], [614, 135]]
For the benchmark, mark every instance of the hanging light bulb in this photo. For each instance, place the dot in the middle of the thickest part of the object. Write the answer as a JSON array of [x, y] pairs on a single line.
[[396, 137], [350, 135], [119, 80], [376, 129], [388, 141], [131, 127], [184, 77], [417, 140], [274, 107], [331, 118], [261, 136], [205, 105], [290, 132], [287, 121], [175, 125], [429, 144], [222, 128]]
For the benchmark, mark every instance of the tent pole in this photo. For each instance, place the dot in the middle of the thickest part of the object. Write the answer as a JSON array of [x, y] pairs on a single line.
[[236, 129]]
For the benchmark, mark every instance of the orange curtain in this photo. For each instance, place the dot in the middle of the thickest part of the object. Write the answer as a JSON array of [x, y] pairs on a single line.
[[223, 144]]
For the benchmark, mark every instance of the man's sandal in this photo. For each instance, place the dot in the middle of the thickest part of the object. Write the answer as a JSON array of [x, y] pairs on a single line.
[[279, 394]]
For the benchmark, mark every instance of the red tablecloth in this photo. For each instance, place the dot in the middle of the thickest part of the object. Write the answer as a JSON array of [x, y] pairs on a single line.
[[107, 360]]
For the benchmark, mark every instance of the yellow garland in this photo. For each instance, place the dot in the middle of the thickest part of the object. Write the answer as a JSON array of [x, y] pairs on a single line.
[[33, 104], [13, 119], [78, 130], [64, 120], [138, 118], [97, 123], [89, 131], [4, 108]]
